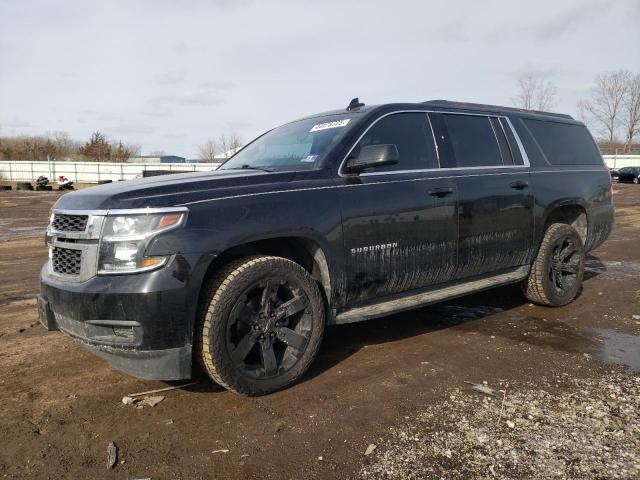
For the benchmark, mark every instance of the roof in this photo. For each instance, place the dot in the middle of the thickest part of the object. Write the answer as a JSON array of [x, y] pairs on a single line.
[[491, 108], [442, 104], [157, 156]]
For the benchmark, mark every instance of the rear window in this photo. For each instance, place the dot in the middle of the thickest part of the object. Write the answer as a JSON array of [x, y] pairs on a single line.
[[564, 144], [465, 141]]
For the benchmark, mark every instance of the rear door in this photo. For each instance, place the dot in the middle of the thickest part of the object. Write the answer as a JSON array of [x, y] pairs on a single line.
[[399, 221], [495, 202]]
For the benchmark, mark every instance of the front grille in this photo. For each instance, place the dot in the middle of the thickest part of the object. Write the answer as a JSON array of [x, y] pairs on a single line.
[[66, 261], [69, 223]]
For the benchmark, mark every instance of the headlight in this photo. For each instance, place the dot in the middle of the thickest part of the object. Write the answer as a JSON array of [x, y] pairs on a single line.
[[125, 238]]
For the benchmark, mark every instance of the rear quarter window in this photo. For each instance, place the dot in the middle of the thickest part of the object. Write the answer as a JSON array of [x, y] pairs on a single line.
[[564, 143]]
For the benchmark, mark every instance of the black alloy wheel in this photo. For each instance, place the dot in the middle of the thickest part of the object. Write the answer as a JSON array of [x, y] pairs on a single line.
[[269, 328], [556, 273], [564, 266]]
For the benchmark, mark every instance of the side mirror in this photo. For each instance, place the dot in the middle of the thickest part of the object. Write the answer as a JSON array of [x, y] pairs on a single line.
[[373, 156]]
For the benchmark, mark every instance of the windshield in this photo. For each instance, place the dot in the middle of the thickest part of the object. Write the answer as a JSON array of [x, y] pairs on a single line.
[[299, 145]]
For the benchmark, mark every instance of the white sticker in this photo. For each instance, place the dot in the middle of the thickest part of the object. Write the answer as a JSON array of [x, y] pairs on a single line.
[[309, 158], [326, 126]]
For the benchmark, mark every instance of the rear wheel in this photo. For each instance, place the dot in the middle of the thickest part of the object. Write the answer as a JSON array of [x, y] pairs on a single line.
[[635, 180], [557, 272], [262, 322]]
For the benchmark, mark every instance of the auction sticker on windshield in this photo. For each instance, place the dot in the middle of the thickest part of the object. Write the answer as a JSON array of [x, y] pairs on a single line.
[[326, 126]]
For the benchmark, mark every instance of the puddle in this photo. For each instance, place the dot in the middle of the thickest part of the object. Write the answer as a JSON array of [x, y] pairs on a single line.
[[465, 313], [604, 345], [618, 348]]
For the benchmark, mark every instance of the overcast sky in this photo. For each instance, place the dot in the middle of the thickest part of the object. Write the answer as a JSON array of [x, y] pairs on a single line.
[[169, 74]]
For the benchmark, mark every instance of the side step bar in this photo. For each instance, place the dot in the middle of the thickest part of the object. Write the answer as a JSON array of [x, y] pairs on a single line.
[[408, 302]]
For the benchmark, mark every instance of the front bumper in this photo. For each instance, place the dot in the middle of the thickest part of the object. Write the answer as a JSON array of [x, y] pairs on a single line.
[[141, 324]]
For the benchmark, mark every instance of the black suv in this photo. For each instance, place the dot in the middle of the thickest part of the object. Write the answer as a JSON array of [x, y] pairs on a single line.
[[335, 218], [629, 175]]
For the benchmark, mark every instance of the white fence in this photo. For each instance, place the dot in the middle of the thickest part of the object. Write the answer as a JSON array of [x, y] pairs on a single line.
[[93, 172], [90, 172], [619, 161]]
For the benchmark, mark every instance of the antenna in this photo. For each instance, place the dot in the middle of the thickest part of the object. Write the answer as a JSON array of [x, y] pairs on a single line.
[[355, 103]]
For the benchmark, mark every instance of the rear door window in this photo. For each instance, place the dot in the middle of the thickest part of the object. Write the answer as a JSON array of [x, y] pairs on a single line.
[[465, 140], [564, 143]]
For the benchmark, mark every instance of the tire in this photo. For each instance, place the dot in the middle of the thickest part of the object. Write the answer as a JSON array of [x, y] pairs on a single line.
[[24, 186], [261, 322], [556, 277], [635, 180]]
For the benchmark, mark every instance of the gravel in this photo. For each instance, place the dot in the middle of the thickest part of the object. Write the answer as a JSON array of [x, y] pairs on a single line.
[[558, 427]]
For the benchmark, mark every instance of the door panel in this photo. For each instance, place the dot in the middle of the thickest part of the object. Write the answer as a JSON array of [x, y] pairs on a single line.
[[399, 221], [495, 201], [495, 221], [400, 234]]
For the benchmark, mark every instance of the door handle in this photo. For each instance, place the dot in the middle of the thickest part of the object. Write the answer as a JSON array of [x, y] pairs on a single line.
[[519, 185], [440, 192]]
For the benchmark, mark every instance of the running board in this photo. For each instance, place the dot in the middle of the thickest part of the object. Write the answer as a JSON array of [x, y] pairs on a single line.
[[408, 302]]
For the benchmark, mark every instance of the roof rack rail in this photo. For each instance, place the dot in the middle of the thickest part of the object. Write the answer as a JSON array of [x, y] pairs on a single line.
[[480, 106]]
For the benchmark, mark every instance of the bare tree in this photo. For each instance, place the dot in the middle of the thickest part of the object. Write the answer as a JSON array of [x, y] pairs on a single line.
[[60, 146], [220, 147], [631, 107], [229, 143], [604, 108], [535, 94], [208, 151]]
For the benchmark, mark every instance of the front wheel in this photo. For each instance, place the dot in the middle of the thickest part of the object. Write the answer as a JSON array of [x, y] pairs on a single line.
[[261, 325], [635, 180], [556, 273]]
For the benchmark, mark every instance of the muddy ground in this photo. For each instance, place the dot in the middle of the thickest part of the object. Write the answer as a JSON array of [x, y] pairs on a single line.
[[397, 383]]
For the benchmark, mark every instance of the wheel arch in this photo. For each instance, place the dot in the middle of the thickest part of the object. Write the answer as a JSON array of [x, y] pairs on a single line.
[[571, 212], [305, 251]]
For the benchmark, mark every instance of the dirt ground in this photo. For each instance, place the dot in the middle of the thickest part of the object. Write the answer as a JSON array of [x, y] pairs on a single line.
[[396, 384]]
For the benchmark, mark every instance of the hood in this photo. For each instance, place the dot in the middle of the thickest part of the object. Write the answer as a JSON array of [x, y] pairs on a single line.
[[174, 189]]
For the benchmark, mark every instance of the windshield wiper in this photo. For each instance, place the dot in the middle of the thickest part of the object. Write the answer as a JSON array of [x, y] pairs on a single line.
[[250, 167]]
